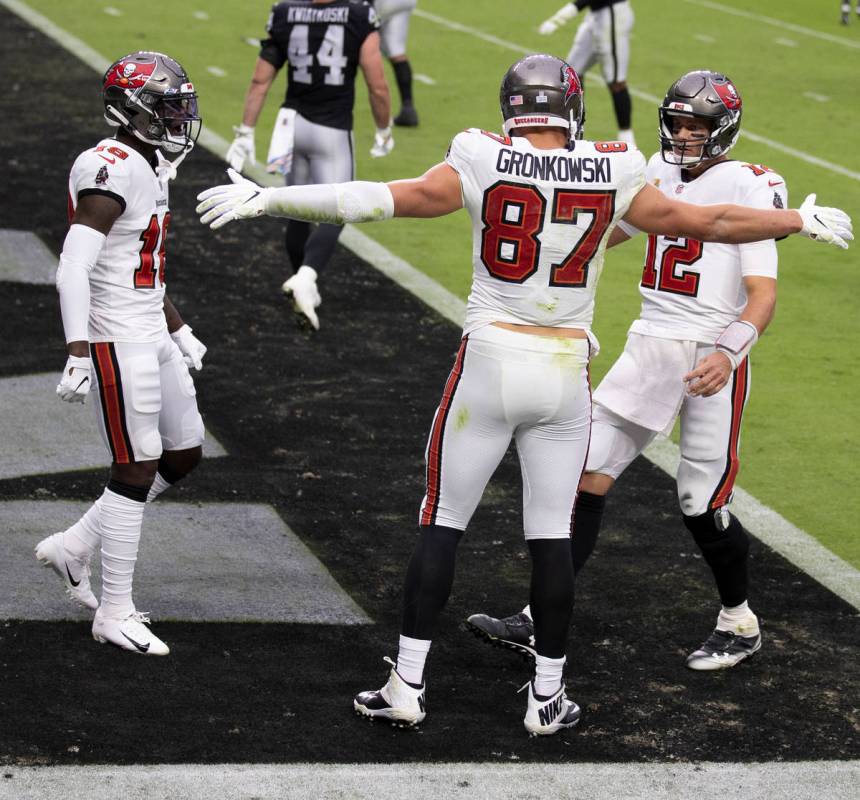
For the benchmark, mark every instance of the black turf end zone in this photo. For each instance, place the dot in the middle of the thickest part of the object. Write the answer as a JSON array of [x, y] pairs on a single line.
[[330, 429]]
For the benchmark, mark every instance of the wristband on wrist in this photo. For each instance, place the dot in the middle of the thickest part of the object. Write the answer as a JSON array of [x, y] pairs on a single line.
[[737, 340]]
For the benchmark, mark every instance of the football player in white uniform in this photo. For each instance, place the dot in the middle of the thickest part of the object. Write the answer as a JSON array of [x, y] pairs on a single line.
[[704, 305], [543, 202], [128, 347]]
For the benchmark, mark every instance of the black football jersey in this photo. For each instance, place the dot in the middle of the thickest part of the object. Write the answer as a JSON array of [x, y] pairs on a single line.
[[321, 44]]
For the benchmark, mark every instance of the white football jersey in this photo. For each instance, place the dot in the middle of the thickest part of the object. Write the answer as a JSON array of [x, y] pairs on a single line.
[[127, 282], [690, 289], [540, 223]]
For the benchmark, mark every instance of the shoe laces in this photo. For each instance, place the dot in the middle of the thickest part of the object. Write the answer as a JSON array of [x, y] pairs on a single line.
[[141, 617]]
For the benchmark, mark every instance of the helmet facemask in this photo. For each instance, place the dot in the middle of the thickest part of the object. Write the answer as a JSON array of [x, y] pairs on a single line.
[[158, 105], [710, 98]]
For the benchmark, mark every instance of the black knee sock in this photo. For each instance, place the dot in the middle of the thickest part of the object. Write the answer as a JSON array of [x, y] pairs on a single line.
[[623, 108], [296, 236], [320, 245], [429, 578], [403, 75], [551, 597], [725, 552], [587, 517]]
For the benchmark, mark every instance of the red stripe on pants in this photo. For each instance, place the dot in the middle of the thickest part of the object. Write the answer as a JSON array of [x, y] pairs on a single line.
[[739, 391], [434, 452], [109, 390]]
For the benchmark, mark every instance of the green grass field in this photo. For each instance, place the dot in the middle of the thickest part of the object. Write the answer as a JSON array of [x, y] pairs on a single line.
[[800, 91]]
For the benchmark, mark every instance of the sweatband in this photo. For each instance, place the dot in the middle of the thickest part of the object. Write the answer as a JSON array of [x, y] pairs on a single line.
[[81, 249], [737, 340]]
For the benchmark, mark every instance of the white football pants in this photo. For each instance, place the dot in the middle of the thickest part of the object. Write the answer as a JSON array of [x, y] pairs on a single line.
[[604, 36], [710, 426], [506, 385]]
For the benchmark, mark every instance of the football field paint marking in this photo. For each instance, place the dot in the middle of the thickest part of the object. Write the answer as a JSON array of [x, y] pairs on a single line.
[[216, 71], [66, 438], [788, 26], [791, 542], [25, 258], [785, 42], [650, 98], [200, 15], [233, 562], [250, 40], [803, 780], [112, 12], [703, 37], [422, 78], [819, 98]]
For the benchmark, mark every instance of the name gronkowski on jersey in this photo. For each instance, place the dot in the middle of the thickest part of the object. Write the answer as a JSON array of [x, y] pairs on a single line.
[[127, 281], [692, 290], [321, 43], [540, 220]]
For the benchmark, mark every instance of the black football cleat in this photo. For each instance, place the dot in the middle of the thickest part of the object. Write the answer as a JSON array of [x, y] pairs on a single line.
[[516, 632], [408, 117], [722, 650]]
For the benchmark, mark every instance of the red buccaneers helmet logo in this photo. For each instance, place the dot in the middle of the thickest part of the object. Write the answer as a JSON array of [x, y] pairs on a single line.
[[130, 74], [571, 83], [728, 94]]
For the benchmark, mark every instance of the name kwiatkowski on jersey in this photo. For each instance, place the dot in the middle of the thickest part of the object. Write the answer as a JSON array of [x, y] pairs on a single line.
[[554, 168]]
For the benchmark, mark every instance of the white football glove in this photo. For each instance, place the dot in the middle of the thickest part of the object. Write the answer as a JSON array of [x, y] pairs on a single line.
[[190, 346], [383, 143], [561, 17], [242, 148], [828, 225], [74, 385], [242, 199]]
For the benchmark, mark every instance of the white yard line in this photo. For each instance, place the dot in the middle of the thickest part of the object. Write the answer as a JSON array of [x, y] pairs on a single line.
[[766, 524], [778, 23], [650, 98], [809, 780]]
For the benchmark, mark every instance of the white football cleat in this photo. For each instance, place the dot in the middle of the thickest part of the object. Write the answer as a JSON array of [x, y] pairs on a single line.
[[398, 702], [74, 572], [129, 633], [302, 287], [548, 715]]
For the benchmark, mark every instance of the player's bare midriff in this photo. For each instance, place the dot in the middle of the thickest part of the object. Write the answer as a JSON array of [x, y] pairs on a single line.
[[543, 330]]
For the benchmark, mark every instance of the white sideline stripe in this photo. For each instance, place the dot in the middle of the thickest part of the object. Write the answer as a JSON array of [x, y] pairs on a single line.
[[789, 26], [518, 48], [422, 78], [769, 527], [799, 780], [764, 523]]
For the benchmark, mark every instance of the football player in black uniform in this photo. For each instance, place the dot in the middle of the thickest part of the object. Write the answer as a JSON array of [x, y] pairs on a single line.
[[323, 42], [603, 36], [394, 30]]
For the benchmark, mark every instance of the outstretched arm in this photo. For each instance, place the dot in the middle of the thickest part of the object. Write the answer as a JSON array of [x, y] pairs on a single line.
[[436, 193], [653, 212]]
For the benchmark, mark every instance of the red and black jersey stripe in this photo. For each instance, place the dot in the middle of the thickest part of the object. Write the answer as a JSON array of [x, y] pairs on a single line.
[[434, 450], [112, 402], [740, 390]]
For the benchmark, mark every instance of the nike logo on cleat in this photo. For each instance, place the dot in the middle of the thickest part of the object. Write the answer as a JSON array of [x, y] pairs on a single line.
[[143, 648], [71, 579]]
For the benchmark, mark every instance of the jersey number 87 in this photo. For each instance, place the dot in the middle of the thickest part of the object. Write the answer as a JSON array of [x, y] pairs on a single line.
[[514, 215]]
